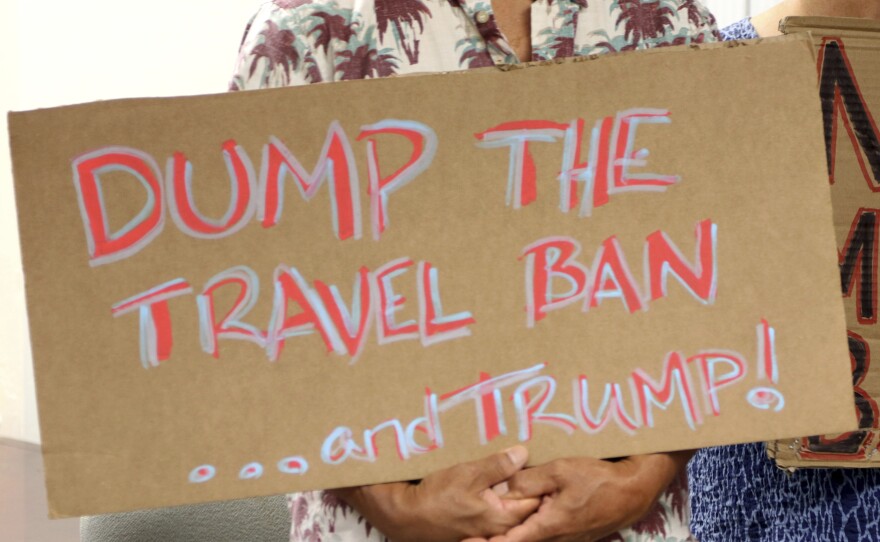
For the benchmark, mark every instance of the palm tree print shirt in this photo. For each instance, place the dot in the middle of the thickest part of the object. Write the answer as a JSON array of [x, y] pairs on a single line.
[[296, 42]]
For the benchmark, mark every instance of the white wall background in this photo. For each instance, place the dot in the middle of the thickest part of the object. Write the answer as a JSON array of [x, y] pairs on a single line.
[[729, 11], [57, 52]]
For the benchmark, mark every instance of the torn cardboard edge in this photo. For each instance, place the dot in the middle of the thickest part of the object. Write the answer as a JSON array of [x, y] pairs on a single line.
[[794, 26], [123, 102]]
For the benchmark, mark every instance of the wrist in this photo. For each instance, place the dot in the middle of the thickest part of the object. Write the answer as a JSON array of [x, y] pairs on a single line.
[[384, 507], [654, 472]]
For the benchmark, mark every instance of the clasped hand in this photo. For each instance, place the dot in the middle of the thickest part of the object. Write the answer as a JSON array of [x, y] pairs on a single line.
[[496, 499]]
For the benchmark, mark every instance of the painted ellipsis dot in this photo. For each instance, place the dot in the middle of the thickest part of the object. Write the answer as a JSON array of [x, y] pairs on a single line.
[[251, 471], [482, 17], [293, 465], [766, 399], [202, 474]]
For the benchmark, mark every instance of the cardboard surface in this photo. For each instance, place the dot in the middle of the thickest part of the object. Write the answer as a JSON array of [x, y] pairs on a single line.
[[676, 289], [849, 74]]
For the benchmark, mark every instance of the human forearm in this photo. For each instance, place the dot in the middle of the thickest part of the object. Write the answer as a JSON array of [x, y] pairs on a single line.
[[383, 505]]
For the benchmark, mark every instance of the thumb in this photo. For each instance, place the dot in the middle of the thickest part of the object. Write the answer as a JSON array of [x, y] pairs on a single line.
[[499, 467]]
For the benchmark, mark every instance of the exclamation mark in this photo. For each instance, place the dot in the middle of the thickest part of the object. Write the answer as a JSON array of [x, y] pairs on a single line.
[[765, 397]]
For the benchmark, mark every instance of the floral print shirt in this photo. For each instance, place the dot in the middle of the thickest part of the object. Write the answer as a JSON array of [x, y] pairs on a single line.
[[296, 42], [318, 516]]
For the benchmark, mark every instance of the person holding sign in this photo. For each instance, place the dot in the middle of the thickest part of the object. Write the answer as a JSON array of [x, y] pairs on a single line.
[[294, 42], [737, 492]]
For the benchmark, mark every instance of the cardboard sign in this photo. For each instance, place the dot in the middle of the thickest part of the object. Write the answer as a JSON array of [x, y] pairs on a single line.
[[248, 294], [849, 77]]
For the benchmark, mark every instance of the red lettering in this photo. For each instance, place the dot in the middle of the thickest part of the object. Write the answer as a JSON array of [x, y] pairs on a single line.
[[351, 324], [600, 158], [390, 303], [612, 278], [663, 256], [434, 326], [156, 338], [291, 289], [625, 155], [424, 143], [546, 260], [675, 377], [531, 409], [572, 165], [230, 326], [336, 162], [241, 206], [105, 246], [522, 177], [712, 381], [610, 407]]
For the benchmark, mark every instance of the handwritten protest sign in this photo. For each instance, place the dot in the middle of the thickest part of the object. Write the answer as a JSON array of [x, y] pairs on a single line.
[[253, 293], [849, 80]]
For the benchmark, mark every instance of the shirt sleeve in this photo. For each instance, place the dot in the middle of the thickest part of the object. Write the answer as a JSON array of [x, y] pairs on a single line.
[[689, 22], [695, 24], [282, 47], [703, 27]]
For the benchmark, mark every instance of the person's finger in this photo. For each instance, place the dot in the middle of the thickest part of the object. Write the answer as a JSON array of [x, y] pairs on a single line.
[[497, 468], [492, 499], [520, 508], [515, 510], [515, 506], [533, 482], [544, 526]]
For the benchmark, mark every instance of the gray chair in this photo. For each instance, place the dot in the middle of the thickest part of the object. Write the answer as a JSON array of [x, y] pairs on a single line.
[[263, 519]]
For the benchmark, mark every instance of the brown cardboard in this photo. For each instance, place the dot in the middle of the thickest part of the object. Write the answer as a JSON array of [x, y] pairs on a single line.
[[733, 157], [849, 73]]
